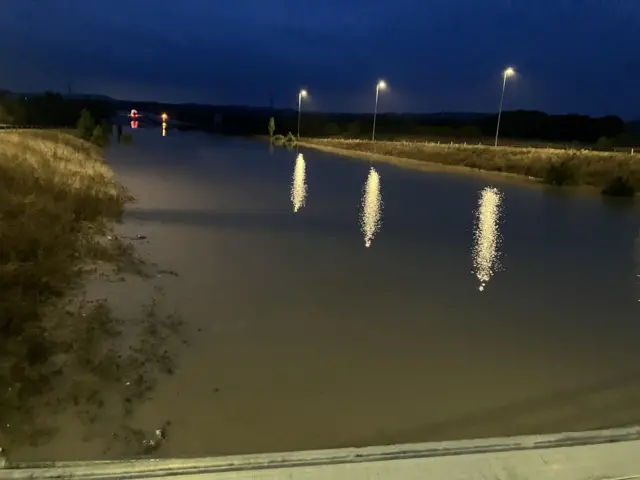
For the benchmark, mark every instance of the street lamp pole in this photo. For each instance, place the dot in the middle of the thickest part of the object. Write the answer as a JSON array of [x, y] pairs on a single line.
[[507, 73], [302, 93], [380, 86]]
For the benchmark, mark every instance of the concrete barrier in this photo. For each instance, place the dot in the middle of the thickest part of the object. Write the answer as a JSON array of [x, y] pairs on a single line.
[[604, 454]]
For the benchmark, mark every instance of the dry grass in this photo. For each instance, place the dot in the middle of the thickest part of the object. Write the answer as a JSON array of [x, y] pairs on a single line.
[[60, 353], [591, 168], [56, 197]]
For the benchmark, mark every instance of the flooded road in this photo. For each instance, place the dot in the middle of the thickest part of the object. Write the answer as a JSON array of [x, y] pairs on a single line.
[[480, 308]]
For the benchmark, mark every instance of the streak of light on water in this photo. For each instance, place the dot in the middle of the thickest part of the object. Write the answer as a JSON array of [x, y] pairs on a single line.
[[299, 184], [487, 238], [371, 214]]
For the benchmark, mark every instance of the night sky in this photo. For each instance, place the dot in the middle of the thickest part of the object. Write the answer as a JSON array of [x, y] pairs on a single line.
[[572, 56]]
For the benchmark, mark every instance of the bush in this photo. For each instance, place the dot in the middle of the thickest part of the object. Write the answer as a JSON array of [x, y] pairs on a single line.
[[332, 129], [604, 144], [4, 116], [86, 125], [272, 126], [290, 139], [469, 132], [353, 129], [619, 187], [561, 173], [98, 137], [277, 139]]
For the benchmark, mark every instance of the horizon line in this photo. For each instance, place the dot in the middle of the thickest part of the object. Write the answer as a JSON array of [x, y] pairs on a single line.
[[311, 111]]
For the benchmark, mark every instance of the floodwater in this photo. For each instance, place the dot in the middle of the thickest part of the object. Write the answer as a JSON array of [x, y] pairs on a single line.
[[480, 307]]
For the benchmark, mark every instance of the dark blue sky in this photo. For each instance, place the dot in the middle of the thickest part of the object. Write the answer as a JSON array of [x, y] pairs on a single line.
[[572, 55]]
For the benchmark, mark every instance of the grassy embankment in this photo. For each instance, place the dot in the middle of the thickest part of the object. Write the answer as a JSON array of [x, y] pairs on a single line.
[[56, 196], [58, 202], [613, 173]]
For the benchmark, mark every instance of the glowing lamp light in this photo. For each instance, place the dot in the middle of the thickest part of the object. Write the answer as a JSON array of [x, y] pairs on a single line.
[[509, 72], [164, 117], [302, 94], [381, 85]]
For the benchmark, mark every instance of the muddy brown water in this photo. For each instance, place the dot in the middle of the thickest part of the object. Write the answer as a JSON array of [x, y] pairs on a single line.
[[298, 337]]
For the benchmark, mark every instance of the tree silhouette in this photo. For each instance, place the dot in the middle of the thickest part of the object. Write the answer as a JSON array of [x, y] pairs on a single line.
[[272, 126], [86, 125]]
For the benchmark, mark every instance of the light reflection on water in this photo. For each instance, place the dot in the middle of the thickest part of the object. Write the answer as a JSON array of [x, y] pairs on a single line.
[[487, 237], [370, 217], [299, 184]]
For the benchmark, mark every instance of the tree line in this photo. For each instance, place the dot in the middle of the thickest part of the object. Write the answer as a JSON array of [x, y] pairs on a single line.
[[50, 109], [91, 118], [525, 125]]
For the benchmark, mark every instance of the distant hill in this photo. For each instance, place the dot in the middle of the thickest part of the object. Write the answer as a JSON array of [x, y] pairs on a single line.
[[88, 96], [71, 96], [435, 116], [461, 116]]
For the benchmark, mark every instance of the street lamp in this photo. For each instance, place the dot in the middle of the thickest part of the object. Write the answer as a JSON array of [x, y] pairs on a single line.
[[509, 72], [303, 93], [164, 117], [381, 85]]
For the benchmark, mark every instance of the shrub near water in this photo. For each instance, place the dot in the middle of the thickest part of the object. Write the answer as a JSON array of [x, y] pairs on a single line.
[[55, 195], [290, 139], [561, 173], [278, 139], [619, 187]]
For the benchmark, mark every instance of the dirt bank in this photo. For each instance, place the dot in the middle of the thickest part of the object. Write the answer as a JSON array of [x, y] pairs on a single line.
[[553, 166]]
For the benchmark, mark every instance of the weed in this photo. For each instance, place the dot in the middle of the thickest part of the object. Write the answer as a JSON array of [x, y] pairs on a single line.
[[619, 187], [561, 173], [290, 139]]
